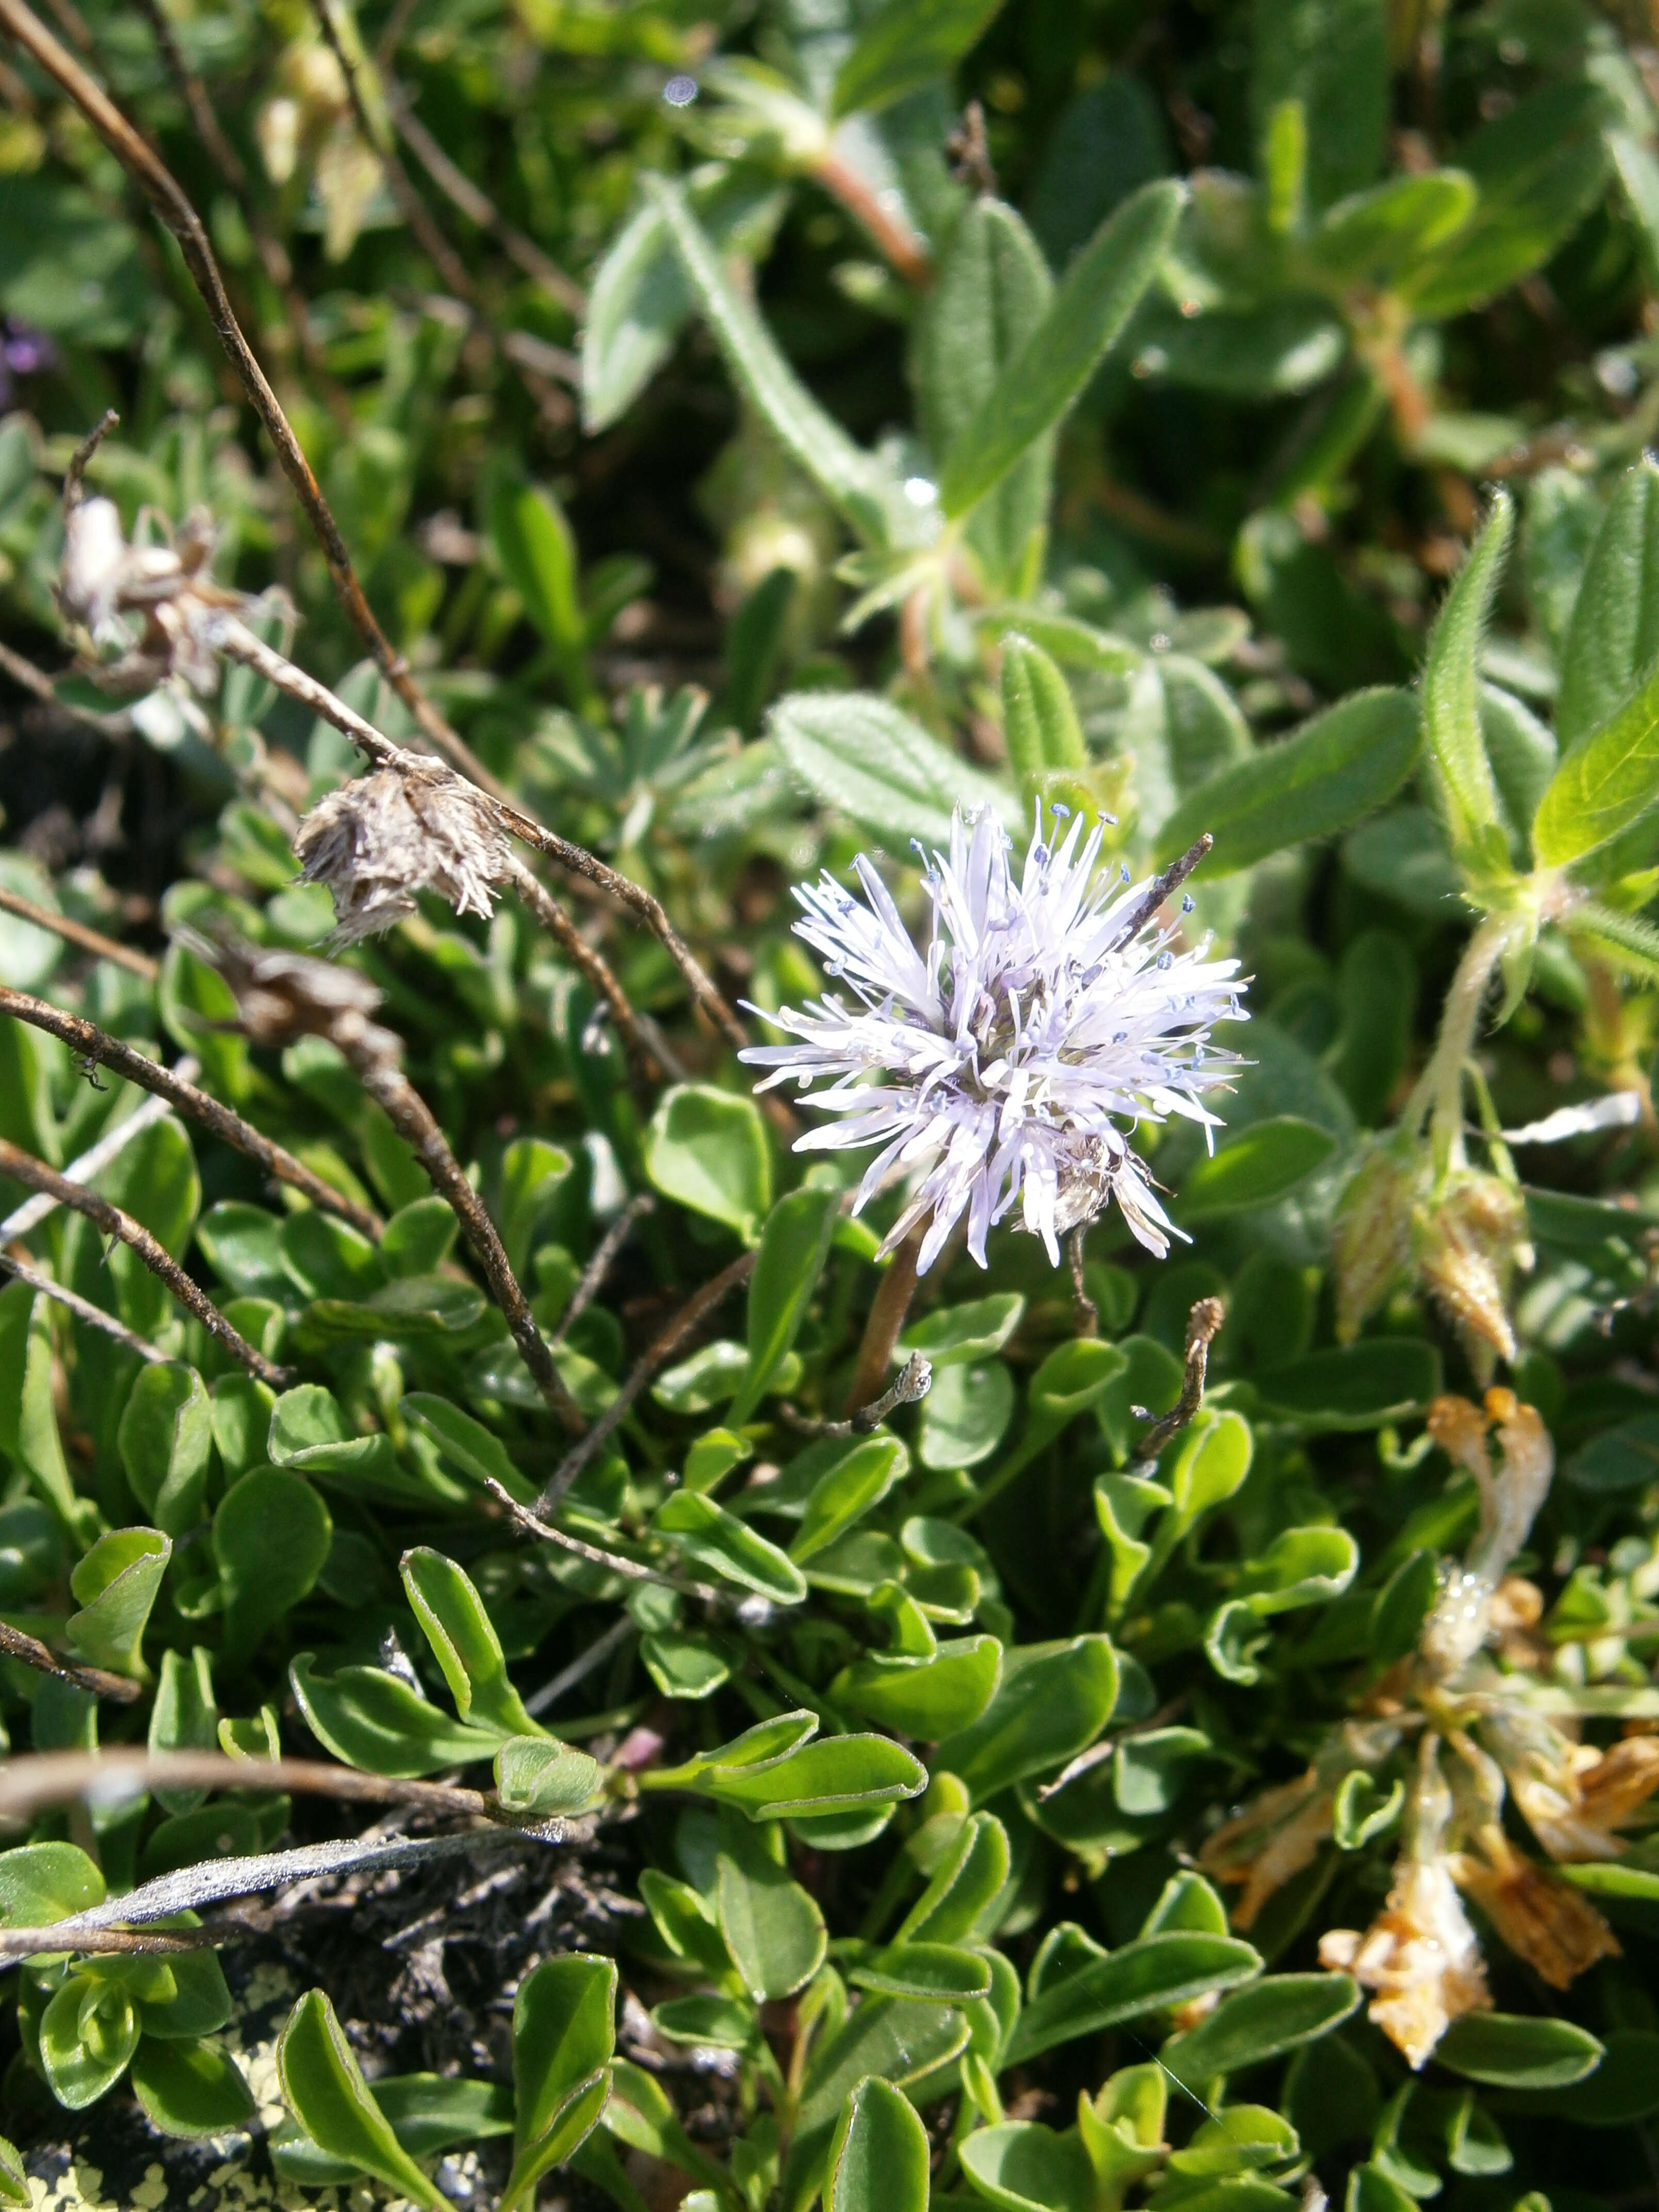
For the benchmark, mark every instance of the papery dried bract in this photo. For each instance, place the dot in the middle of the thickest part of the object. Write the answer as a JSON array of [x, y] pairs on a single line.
[[1373, 1247], [379, 840], [1542, 1919], [155, 604], [1469, 1238]]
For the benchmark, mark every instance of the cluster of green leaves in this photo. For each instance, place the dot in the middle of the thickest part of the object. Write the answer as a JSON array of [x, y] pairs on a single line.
[[908, 1735]]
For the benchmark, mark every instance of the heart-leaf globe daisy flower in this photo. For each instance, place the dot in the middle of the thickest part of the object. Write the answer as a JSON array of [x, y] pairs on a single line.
[[1002, 1064]]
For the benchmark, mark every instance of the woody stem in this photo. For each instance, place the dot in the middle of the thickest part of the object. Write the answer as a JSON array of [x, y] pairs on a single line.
[[881, 1331]]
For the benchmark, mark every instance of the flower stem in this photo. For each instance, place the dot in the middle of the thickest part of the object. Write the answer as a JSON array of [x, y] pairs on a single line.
[[1439, 1091], [887, 1314]]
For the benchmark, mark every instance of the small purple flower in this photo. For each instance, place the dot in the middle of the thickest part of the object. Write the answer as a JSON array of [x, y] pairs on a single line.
[[23, 352], [1042, 1018]]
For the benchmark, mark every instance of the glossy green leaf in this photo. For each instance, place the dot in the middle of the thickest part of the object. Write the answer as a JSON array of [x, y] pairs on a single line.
[[14, 2181], [879, 2156], [771, 1925], [564, 2037], [324, 2090], [952, 1336], [115, 1585], [88, 2035], [940, 1973], [707, 1535], [464, 1642], [794, 1247], [1093, 302], [1606, 783], [185, 1716], [1518, 2050], [1054, 1700], [708, 1149], [373, 1719], [1023, 2168], [1371, 236], [190, 2088], [1256, 1166], [166, 1440], [838, 1773], [1264, 2022], [1330, 774], [541, 1779], [966, 1416], [1152, 1973], [1300, 1566], [309, 1431], [888, 2038], [271, 1536], [854, 1486], [963, 1887], [927, 1698], [472, 1450], [43, 1883], [1454, 746]]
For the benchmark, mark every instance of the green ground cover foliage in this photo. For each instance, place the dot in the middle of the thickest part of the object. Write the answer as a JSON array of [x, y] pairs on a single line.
[[1143, 1731]]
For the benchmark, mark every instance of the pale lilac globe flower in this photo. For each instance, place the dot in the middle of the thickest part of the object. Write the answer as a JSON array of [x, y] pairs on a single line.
[[1004, 1064]]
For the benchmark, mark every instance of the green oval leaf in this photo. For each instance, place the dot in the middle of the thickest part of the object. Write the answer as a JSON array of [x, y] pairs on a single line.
[[1516, 2050], [325, 2089], [707, 1150], [1254, 1167], [879, 2156], [1151, 1973], [1274, 2016]]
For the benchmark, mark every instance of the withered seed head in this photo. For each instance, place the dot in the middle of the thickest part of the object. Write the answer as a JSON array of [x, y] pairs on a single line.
[[379, 840], [282, 996], [1470, 1239]]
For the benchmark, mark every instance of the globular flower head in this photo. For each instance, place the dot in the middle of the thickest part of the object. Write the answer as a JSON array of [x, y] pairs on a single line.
[[1000, 1062], [379, 839]]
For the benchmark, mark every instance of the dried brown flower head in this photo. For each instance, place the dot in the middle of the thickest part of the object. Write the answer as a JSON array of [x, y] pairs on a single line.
[[154, 602], [1469, 1238], [1419, 1955], [282, 996], [379, 840], [1542, 1919]]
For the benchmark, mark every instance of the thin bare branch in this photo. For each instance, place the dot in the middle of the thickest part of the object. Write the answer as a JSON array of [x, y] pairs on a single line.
[[15, 1644], [32, 1782], [1085, 1314], [594, 1275], [1163, 887], [173, 209], [82, 1309], [415, 1122], [885, 1320], [648, 1061], [92, 1162], [911, 1385], [78, 934], [28, 678], [475, 205], [615, 1563], [582, 1665], [35, 1174], [191, 1887], [554, 404], [1203, 1326], [92, 1043], [692, 1314]]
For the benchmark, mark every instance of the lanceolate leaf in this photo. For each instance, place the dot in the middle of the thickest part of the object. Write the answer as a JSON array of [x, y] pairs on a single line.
[[326, 2093], [1146, 1976], [871, 762], [1603, 786], [1095, 298], [904, 45], [1331, 774], [860, 487], [1451, 703], [1612, 636], [878, 2160]]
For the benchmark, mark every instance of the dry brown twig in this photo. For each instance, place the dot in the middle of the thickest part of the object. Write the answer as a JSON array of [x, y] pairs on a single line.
[[35, 1174], [615, 1562], [554, 404], [28, 678], [1204, 1325], [82, 1309], [85, 939], [98, 1680], [691, 1315], [285, 995], [173, 208], [475, 205], [91, 1042]]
